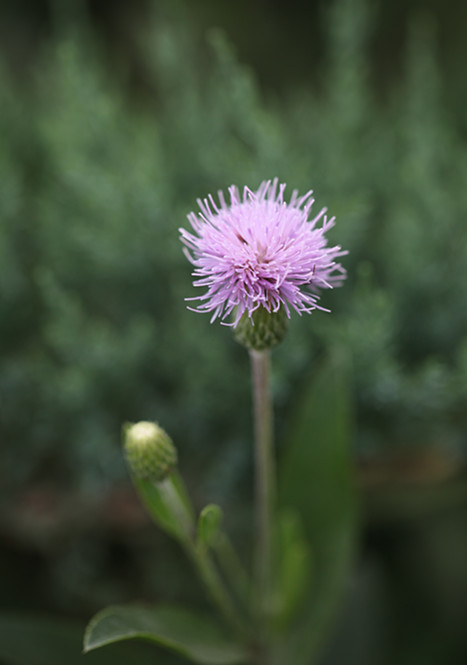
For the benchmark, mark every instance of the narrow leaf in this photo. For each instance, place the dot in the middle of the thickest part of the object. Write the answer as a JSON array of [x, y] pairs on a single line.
[[317, 482], [294, 562]]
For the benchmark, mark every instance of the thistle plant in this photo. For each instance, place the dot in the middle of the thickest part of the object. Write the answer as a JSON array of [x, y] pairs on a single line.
[[259, 258]]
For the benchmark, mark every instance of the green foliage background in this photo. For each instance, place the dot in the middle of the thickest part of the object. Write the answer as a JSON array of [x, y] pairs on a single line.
[[95, 179]]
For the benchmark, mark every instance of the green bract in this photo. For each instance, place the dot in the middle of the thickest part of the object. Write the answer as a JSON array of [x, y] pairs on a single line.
[[263, 330]]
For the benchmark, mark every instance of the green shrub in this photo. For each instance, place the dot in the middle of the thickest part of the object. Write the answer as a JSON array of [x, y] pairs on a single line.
[[96, 183]]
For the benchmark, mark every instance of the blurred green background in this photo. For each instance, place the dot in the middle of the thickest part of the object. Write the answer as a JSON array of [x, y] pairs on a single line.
[[114, 118]]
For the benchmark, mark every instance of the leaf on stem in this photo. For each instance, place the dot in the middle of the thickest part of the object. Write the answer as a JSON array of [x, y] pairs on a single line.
[[317, 482], [293, 567], [209, 523], [191, 634], [154, 500]]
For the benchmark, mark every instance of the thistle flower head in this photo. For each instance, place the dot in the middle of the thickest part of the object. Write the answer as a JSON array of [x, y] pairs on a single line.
[[260, 251]]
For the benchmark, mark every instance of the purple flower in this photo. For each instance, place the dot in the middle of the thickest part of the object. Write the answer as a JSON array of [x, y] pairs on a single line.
[[260, 251]]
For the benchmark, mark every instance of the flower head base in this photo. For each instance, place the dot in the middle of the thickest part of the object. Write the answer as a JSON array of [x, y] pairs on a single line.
[[261, 330], [260, 251]]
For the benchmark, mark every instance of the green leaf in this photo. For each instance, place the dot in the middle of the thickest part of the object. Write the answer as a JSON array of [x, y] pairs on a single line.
[[293, 565], [154, 499], [317, 481], [191, 634], [38, 640], [182, 493], [209, 524]]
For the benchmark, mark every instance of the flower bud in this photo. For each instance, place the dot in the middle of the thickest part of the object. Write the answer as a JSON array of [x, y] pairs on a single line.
[[262, 330], [149, 450]]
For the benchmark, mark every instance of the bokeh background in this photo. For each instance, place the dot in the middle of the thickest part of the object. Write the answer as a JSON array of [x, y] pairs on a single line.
[[114, 118]]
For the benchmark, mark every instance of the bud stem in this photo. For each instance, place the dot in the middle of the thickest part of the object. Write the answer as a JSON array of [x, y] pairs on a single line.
[[178, 509], [200, 556], [265, 478], [219, 595], [233, 569]]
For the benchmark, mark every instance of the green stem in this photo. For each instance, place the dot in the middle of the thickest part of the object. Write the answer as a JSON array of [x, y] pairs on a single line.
[[216, 589], [233, 569], [180, 511], [201, 557], [265, 477]]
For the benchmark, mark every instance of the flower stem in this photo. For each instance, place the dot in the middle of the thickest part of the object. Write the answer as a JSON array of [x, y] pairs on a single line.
[[219, 595], [265, 479], [201, 557], [233, 569]]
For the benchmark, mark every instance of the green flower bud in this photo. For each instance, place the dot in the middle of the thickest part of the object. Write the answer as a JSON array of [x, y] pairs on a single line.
[[149, 450], [263, 330]]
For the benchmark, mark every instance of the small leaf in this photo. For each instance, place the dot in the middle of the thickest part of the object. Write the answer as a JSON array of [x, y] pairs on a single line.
[[209, 524], [191, 634]]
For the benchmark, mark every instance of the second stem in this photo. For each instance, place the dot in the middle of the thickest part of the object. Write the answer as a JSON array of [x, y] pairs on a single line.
[[265, 479]]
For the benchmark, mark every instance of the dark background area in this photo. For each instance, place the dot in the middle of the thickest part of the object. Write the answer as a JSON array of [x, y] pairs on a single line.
[[284, 46]]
